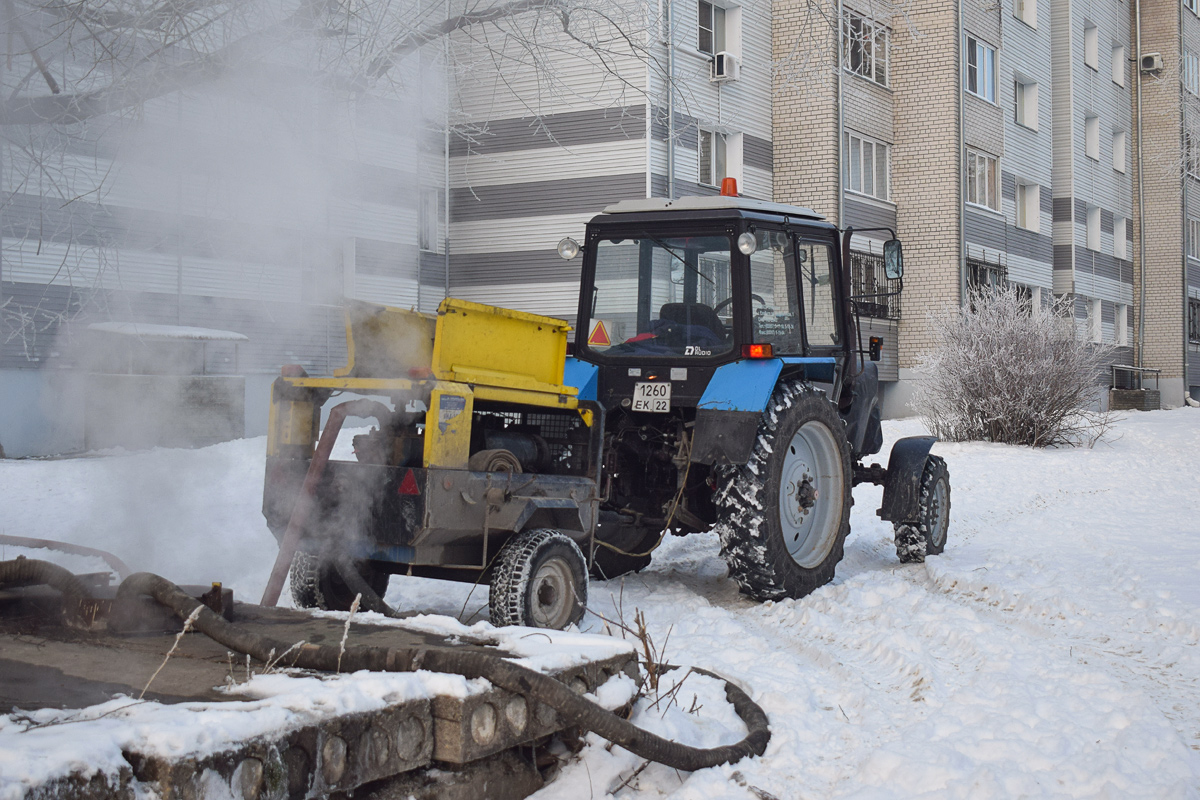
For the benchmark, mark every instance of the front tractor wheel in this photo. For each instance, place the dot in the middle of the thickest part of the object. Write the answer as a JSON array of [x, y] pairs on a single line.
[[926, 535], [540, 581], [785, 514]]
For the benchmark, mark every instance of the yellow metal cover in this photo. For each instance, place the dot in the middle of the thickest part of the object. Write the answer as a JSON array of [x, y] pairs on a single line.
[[483, 344], [386, 342]]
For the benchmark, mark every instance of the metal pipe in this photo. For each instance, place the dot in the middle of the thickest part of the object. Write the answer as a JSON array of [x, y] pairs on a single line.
[[962, 172], [670, 101], [305, 501], [1139, 350], [1183, 283], [841, 127], [118, 566]]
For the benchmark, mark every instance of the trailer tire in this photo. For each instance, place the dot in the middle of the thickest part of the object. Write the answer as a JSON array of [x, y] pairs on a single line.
[[784, 515], [540, 581], [316, 584], [926, 535]]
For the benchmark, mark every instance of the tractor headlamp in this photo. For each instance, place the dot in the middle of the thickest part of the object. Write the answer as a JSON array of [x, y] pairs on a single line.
[[747, 243], [568, 248]]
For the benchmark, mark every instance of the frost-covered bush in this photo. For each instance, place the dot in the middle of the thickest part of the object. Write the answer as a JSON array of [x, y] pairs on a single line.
[[1004, 372]]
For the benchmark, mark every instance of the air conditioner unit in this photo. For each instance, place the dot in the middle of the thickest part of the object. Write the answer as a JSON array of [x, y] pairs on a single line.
[[725, 67], [1152, 62]]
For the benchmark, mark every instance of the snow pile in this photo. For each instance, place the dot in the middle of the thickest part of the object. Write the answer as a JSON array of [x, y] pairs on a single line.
[[1052, 651]]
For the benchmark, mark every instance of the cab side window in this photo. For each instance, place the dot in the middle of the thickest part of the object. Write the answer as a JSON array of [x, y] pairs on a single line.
[[774, 300], [816, 286]]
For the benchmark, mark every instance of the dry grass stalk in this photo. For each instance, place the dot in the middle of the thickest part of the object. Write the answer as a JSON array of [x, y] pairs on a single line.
[[187, 626]]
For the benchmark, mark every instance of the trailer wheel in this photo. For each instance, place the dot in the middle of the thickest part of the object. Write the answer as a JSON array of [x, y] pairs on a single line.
[[926, 535], [316, 584], [540, 581], [785, 513]]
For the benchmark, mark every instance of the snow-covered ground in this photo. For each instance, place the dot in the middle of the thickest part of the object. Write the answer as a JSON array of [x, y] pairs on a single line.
[[1052, 651]]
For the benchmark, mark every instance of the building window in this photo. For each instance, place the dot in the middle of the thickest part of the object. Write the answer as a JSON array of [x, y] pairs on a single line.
[[983, 184], [1122, 325], [1190, 5], [711, 37], [1119, 151], [1193, 243], [1029, 206], [1027, 103], [865, 44], [870, 285], [428, 223], [1120, 242], [1093, 228], [982, 275], [1095, 320], [1091, 137], [1193, 320], [1091, 47], [1190, 72], [1191, 159], [865, 166], [980, 76], [712, 158], [1026, 11], [1118, 64]]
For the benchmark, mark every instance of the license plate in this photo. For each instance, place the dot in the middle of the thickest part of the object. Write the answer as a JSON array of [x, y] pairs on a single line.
[[654, 396]]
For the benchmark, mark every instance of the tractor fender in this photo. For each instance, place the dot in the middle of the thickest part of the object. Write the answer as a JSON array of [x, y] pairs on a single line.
[[902, 487], [729, 411]]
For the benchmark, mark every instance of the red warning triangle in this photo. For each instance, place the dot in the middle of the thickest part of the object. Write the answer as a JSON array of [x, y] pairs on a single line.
[[599, 335], [409, 485]]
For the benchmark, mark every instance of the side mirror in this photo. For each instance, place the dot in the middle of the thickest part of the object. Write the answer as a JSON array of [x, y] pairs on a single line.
[[893, 259]]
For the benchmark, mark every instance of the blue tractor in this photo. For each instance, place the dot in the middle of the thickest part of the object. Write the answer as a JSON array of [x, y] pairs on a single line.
[[720, 338]]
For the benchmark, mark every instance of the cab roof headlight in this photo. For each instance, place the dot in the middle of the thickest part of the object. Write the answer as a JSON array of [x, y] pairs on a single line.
[[747, 243], [568, 248]]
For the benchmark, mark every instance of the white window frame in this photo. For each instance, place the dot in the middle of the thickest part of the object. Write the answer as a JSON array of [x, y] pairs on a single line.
[[859, 150], [1025, 93], [1091, 46], [429, 222], [872, 42], [715, 166], [1190, 5], [1118, 65], [1120, 238], [1118, 149], [979, 76], [1029, 206], [1026, 11], [1193, 239], [1096, 319], [712, 19], [1189, 72], [1121, 325], [983, 180], [1093, 228], [1091, 137], [1191, 158]]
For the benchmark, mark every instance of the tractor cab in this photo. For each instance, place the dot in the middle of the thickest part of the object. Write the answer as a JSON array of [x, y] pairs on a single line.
[[674, 289]]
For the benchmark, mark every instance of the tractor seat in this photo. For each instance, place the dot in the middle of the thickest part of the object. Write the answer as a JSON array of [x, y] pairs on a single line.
[[693, 314]]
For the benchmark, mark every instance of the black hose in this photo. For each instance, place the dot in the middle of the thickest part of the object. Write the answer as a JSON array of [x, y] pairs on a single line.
[[23, 571], [371, 601], [574, 709]]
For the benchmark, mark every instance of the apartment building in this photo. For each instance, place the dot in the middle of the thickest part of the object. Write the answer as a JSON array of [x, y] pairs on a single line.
[[534, 159], [999, 140]]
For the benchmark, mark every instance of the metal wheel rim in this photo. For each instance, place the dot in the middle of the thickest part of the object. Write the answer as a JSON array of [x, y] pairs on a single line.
[[939, 511], [552, 594], [813, 456]]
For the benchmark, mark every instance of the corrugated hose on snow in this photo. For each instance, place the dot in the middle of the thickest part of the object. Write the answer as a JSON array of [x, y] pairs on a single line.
[[575, 709]]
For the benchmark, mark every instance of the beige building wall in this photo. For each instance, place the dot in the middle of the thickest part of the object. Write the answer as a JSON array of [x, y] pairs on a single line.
[[805, 112], [1162, 158], [927, 170]]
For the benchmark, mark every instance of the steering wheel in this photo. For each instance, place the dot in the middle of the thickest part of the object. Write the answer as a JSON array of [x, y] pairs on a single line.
[[729, 300]]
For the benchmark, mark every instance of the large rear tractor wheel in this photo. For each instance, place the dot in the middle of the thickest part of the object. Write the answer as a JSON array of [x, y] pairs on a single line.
[[540, 581], [926, 535], [785, 514], [316, 583]]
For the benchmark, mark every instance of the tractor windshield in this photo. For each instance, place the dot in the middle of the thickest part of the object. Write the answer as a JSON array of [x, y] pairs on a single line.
[[662, 296]]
